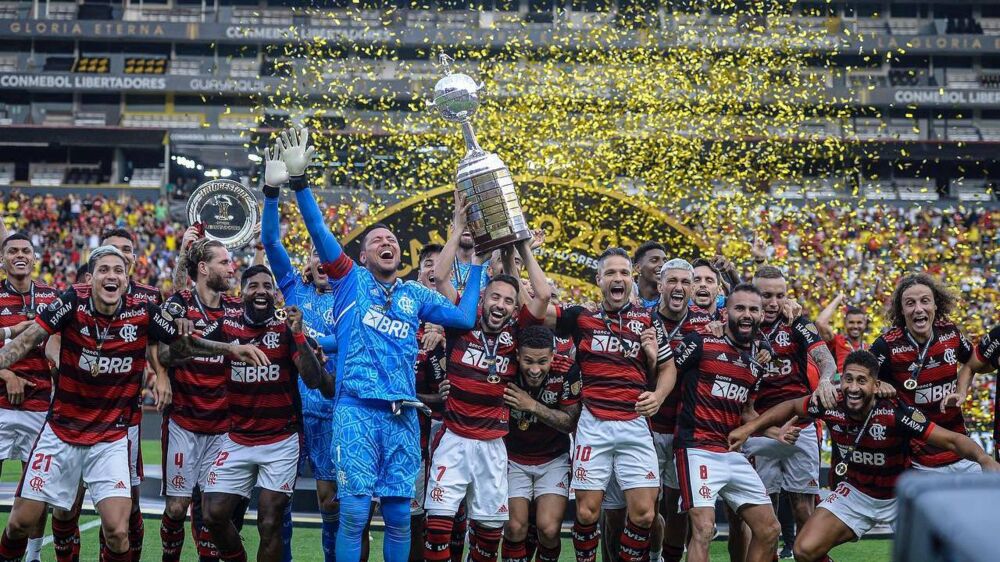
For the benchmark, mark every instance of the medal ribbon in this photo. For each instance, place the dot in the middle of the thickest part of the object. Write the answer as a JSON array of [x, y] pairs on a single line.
[[100, 335], [388, 294], [458, 275], [922, 356], [614, 336], [491, 354], [857, 440], [677, 328]]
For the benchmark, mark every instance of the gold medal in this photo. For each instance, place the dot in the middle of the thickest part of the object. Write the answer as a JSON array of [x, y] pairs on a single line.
[[910, 384], [30, 315], [841, 468], [280, 314], [493, 378], [523, 424], [94, 368]]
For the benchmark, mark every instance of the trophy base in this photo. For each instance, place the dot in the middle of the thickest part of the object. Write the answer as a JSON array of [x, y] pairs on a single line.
[[489, 245]]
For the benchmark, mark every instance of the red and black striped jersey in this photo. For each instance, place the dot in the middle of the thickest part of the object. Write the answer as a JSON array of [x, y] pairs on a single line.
[[609, 352], [430, 369], [696, 319], [988, 349], [475, 408], [97, 392], [786, 376], [532, 442], [143, 293], [15, 308], [937, 377], [199, 384], [264, 402], [717, 380], [883, 452]]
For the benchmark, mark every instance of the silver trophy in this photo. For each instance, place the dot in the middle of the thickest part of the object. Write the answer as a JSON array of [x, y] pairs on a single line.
[[224, 210], [495, 216]]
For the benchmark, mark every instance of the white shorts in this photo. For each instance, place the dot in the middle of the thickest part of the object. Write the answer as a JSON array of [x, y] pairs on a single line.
[[471, 470], [606, 448], [56, 468], [18, 431], [792, 468], [664, 445], [238, 468], [187, 459], [858, 510], [134, 456], [706, 475], [531, 481], [961, 466], [419, 490], [614, 497]]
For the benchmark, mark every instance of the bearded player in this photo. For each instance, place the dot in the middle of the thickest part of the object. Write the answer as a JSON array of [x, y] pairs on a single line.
[[102, 362], [619, 349], [919, 357], [545, 406], [376, 440], [197, 419], [25, 387], [261, 447], [312, 295], [470, 459], [678, 319], [874, 435], [793, 341], [720, 378]]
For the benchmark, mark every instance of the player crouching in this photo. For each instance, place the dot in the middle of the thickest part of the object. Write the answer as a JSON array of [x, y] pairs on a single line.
[[873, 435]]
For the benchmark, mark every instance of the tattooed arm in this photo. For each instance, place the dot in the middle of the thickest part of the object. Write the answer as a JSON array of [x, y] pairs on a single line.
[[21, 345], [190, 346], [311, 370]]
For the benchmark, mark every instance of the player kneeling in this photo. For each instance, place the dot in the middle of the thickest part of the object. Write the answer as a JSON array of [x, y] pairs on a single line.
[[262, 446], [873, 437], [545, 405]]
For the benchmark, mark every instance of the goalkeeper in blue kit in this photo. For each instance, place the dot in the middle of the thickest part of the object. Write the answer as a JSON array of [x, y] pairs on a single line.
[[376, 443]]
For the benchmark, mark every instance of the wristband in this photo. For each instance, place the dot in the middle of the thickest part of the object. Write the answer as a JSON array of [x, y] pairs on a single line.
[[299, 337], [271, 192], [298, 183]]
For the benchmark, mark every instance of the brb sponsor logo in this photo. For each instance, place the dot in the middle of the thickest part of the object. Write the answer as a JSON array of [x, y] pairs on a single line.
[[388, 326], [253, 374], [105, 365], [935, 393], [608, 344], [478, 359], [723, 387]]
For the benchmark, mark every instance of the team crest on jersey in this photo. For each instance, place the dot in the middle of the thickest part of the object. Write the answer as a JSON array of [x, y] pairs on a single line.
[[271, 340], [407, 305], [55, 305], [506, 338], [949, 357], [549, 397], [128, 333], [877, 432], [635, 327], [782, 339], [918, 416]]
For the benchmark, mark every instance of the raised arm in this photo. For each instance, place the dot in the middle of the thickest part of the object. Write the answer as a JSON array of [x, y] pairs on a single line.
[[21, 345], [536, 277], [306, 362], [446, 259], [275, 175], [180, 277], [823, 325], [462, 317], [297, 155]]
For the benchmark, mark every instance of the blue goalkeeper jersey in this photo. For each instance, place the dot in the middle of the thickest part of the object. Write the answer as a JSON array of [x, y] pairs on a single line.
[[375, 324]]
